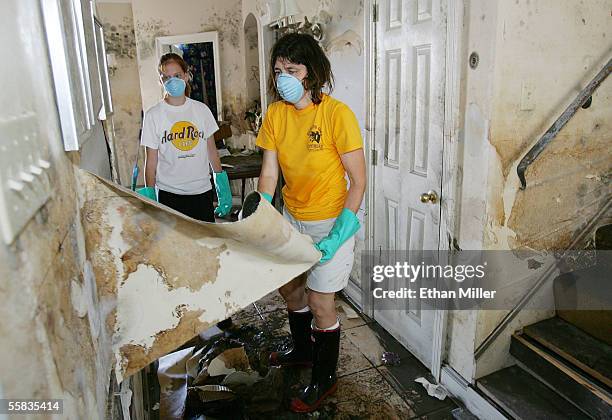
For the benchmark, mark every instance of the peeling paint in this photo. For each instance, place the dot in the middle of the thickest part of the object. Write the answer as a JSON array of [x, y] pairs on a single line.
[[175, 276]]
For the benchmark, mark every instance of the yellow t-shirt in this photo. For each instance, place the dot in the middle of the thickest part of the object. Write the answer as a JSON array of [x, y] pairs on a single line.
[[308, 143]]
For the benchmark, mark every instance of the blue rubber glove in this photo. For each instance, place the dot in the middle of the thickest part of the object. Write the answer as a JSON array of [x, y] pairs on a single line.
[[224, 194], [266, 196], [346, 225], [148, 192]]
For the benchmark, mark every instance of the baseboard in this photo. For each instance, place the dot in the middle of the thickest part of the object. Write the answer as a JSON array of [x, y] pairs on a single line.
[[473, 401]]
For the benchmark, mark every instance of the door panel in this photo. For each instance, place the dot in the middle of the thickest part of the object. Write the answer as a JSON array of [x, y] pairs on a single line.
[[410, 51]]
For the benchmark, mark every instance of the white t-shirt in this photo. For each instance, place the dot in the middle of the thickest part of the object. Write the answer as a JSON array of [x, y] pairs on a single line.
[[180, 134]]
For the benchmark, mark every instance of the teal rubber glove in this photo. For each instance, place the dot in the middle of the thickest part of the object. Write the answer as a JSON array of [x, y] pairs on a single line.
[[266, 196], [224, 194], [346, 225], [148, 192]]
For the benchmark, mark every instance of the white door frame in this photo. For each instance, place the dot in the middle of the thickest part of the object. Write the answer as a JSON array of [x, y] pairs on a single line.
[[450, 191]]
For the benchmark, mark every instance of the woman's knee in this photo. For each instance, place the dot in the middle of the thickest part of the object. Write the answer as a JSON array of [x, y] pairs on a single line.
[[294, 292], [322, 305]]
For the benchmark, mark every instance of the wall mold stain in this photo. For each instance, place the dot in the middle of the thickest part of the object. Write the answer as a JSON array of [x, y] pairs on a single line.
[[146, 33], [120, 38]]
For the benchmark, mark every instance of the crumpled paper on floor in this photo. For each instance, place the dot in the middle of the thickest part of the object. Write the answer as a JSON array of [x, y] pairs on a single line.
[[433, 390]]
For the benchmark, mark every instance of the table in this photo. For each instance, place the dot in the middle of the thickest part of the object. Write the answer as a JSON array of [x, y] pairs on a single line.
[[243, 167]]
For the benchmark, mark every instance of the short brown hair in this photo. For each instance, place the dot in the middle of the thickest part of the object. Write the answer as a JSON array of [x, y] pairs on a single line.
[[168, 57], [303, 49]]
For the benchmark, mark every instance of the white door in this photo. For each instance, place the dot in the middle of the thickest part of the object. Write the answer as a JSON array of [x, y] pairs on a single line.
[[410, 68]]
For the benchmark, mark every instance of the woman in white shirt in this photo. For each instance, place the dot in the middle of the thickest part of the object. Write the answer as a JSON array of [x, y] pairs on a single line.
[[178, 136]]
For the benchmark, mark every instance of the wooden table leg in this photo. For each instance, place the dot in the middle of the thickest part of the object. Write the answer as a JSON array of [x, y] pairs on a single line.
[[243, 186]]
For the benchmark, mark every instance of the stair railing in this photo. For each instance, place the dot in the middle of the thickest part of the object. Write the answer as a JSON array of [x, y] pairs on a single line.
[[546, 275], [582, 100]]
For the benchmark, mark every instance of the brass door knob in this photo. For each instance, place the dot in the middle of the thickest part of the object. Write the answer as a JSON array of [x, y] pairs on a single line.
[[429, 197]]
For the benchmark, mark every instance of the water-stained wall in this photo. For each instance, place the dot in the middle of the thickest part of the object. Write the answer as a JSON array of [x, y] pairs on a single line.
[[535, 56], [54, 343], [125, 85], [547, 51]]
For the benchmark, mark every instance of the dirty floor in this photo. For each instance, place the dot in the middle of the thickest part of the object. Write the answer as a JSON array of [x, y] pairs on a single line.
[[367, 388]]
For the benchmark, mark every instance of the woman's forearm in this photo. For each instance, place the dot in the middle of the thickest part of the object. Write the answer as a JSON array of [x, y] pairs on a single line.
[[354, 165], [267, 184], [269, 173], [150, 166], [213, 155], [354, 196]]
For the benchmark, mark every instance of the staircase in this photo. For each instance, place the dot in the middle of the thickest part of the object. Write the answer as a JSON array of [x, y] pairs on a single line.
[[564, 364]]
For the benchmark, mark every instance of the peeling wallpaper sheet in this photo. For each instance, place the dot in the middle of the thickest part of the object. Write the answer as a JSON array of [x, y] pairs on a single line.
[[170, 276]]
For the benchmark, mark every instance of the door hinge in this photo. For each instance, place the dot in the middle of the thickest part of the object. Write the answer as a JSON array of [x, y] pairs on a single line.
[[374, 157], [375, 13]]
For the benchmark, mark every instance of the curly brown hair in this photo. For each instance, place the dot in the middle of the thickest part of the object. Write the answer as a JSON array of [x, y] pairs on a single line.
[[169, 57], [303, 49]]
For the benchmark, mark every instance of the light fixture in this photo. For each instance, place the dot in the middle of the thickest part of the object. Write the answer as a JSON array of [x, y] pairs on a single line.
[[283, 13]]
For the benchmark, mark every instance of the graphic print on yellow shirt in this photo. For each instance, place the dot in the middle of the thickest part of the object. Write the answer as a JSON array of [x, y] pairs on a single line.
[[308, 143]]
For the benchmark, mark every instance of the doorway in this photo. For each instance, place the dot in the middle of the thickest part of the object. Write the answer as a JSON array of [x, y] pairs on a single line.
[[410, 52]]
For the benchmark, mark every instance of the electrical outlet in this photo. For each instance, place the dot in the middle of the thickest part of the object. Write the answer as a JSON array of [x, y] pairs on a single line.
[[24, 182]]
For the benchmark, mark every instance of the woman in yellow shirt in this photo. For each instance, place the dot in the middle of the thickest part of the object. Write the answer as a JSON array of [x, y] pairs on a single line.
[[316, 141]]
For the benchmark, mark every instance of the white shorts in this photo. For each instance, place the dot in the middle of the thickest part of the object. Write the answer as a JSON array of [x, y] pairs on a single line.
[[333, 275]]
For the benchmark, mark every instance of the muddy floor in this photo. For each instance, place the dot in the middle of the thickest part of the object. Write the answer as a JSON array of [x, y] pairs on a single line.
[[367, 388]]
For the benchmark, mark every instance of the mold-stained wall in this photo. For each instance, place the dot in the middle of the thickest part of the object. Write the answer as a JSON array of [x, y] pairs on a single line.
[[53, 341], [120, 41], [251, 58], [547, 51], [154, 18], [535, 56]]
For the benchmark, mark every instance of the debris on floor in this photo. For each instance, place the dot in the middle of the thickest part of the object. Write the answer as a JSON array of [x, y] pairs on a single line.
[[226, 374], [348, 311], [433, 390], [389, 358]]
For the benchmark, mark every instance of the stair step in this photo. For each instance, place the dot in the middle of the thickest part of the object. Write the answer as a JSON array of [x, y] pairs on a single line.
[[574, 346], [596, 323], [564, 380], [522, 396], [583, 296]]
